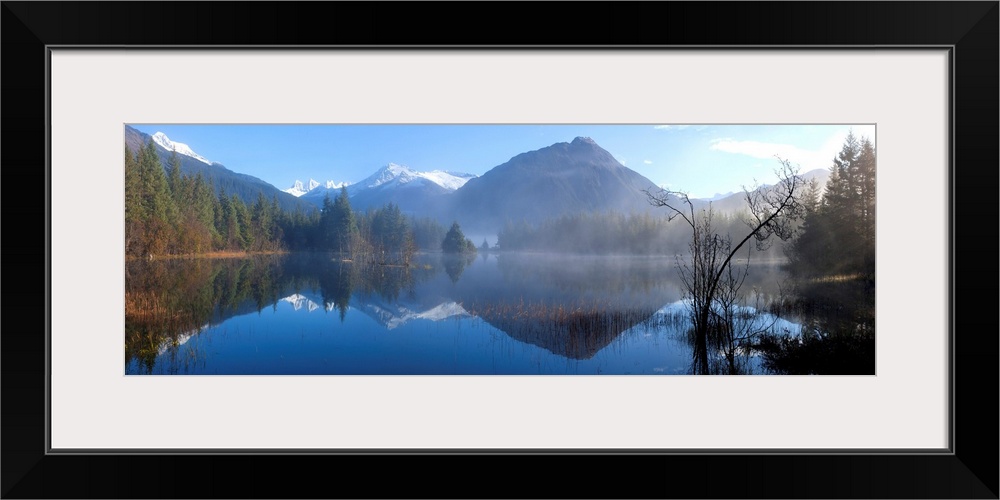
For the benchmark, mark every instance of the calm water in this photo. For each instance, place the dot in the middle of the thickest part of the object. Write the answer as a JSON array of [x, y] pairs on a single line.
[[493, 314]]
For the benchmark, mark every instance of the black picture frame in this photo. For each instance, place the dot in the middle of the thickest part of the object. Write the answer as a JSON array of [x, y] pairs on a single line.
[[969, 470]]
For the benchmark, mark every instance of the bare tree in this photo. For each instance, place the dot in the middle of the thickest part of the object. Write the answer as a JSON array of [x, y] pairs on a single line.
[[711, 284]]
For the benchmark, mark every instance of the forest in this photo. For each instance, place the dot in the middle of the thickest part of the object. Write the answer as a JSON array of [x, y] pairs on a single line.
[[170, 214], [822, 235], [832, 266]]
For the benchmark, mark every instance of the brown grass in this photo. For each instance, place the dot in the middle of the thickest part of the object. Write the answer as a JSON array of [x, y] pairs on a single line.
[[587, 318], [147, 307], [227, 254], [837, 278]]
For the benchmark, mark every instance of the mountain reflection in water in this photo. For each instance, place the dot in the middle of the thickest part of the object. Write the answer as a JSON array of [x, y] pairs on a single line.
[[514, 314]]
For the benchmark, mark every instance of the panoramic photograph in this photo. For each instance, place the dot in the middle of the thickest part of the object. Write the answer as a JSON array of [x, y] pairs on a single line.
[[562, 249]]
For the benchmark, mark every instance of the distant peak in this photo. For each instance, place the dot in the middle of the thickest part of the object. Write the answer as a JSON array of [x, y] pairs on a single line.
[[181, 148], [396, 174], [584, 140]]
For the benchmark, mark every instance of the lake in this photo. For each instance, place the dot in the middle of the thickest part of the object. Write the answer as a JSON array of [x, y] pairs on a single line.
[[489, 314]]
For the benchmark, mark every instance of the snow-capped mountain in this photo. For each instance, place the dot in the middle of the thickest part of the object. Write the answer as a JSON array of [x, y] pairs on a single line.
[[395, 315], [398, 175], [398, 184], [299, 301], [314, 189], [389, 315], [410, 190], [247, 187], [181, 148], [299, 188]]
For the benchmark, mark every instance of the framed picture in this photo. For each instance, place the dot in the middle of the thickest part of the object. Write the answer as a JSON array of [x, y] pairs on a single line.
[[921, 77]]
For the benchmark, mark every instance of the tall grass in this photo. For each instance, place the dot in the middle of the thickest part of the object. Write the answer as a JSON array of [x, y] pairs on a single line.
[[576, 330]]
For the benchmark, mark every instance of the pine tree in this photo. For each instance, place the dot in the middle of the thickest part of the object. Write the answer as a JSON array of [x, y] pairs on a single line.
[[838, 235], [134, 214], [229, 219], [866, 184], [454, 240], [244, 237], [174, 178], [262, 224], [205, 203], [157, 203], [342, 222]]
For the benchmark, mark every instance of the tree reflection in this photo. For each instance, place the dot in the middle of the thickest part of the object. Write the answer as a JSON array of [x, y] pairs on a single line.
[[169, 301], [454, 264], [838, 334]]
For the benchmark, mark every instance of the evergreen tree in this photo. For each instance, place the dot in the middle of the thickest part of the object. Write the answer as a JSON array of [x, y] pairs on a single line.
[[454, 240], [390, 234], [134, 214], [326, 229], [838, 234], [427, 233], [342, 224], [205, 205], [157, 204], [243, 237], [229, 227], [866, 183], [174, 179], [261, 224]]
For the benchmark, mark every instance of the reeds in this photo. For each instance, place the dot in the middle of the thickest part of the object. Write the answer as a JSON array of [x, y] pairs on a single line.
[[146, 307], [150, 323], [577, 330]]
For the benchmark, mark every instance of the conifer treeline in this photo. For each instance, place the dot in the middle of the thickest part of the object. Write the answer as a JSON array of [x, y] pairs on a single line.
[[837, 236], [611, 233], [167, 213]]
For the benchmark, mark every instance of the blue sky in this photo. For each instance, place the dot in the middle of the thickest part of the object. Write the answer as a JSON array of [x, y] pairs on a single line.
[[699, 159]]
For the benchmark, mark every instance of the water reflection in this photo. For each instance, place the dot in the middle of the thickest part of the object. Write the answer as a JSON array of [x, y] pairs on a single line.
[[499, 314]]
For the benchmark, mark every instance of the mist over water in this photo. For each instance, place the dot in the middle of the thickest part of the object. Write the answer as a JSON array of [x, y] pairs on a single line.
[[509, 313]]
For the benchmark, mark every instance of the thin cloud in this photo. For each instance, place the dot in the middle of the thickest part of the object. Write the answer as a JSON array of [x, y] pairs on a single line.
[[808, 159], [648, 162]]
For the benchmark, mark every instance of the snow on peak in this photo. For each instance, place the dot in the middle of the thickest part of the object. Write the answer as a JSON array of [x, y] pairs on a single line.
[[181, 148], [389, 173], [447, 180], [297, 189], [401, 174], [299, 301], [396, 315], [300, 188]]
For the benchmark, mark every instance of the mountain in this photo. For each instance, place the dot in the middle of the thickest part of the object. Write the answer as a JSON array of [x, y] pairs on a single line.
[[163, 141], [390, 314], [299, 188], [719, 196], [736, 202], [577, 176], [247, 187], [413, 191]]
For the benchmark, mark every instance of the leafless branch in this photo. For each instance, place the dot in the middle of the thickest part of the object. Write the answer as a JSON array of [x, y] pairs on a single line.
[[671, 200], [709, 279]]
